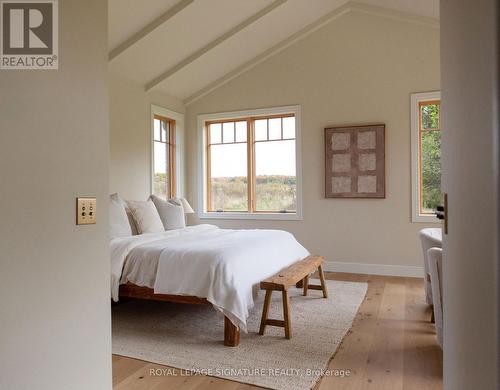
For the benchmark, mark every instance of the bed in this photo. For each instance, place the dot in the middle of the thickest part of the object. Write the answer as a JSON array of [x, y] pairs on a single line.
[[202, 264]]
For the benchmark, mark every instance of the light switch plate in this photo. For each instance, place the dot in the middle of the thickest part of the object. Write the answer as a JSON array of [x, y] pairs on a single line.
[[86, 211]]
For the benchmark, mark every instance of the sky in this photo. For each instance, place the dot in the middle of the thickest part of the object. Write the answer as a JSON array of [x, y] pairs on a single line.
[[230, 160], [271, 158]]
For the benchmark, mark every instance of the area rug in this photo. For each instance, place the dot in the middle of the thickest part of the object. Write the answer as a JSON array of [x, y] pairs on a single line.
[[190, 337]]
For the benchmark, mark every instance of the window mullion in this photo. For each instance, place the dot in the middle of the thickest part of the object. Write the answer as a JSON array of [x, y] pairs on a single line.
[[172, 152], [250, 166], [166, 140], [208, 173]]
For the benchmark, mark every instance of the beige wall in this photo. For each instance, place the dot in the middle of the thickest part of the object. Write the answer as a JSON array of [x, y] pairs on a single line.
[[357, 69], [54, 278], [471, 146], [130, 135]]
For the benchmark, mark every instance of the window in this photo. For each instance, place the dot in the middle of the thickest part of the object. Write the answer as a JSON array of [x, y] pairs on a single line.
[[164, 157], [227, 167], [250, 164], [426, 155], [167, 129]]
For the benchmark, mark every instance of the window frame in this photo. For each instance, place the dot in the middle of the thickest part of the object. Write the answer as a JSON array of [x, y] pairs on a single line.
[[248, 115], [171, 146], [416, 101], [176, 183]]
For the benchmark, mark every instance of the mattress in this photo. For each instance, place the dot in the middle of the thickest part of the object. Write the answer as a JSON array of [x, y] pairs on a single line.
[[222, 265]]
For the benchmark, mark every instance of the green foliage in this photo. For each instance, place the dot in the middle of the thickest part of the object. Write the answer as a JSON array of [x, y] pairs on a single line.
[[431, 169], [431, 157], [273, 193], [430, 116]]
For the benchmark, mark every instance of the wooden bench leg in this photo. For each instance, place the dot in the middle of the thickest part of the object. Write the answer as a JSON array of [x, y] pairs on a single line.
[[306, 284], [231, 333], [265, 311], [322, 279], [286, 315]]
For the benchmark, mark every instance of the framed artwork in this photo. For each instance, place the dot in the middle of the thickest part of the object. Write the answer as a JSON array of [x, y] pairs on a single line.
[[355, 161]]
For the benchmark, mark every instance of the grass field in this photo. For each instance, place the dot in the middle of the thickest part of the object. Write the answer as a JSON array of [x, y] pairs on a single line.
[[272, 193]]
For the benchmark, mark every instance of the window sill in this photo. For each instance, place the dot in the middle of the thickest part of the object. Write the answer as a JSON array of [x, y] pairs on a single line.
[[257, 216], [431, 218]]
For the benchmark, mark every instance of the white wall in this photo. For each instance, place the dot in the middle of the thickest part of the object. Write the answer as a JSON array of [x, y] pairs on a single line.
[[130, 134], [54, 277], [470, 69], [358, 69]]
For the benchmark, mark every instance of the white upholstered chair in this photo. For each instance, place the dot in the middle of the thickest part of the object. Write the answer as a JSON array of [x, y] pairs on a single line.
[[429, 238], [435, 258]]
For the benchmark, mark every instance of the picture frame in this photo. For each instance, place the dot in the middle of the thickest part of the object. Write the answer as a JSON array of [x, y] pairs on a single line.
[[355, 161]]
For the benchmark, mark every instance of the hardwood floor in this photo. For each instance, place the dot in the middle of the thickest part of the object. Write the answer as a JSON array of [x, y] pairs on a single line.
[[392, 345]]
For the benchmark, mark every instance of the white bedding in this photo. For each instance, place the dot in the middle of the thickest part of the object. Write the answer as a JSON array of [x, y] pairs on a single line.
[[220, 265]]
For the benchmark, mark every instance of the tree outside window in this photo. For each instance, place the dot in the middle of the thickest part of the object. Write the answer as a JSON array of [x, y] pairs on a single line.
[[430, 156]]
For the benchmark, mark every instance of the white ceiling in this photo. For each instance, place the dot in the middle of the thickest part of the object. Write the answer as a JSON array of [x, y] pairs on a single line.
[[182, 47], [126, 17]]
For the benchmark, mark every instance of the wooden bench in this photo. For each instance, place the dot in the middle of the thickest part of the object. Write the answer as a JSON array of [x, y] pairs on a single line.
[[297, 275]]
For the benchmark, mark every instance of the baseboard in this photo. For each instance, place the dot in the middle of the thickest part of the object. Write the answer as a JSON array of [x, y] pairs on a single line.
[[375, 269]]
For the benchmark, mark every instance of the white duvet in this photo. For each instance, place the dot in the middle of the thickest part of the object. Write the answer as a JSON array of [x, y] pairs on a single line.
[[220, 265]]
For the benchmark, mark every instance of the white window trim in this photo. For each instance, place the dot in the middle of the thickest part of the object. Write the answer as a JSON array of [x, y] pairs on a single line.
[[202, 185], [179, 145], [415, 99]]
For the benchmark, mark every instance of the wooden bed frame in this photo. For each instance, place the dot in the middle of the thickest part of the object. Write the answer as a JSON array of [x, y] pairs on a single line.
[[296, 273], [129, 290]]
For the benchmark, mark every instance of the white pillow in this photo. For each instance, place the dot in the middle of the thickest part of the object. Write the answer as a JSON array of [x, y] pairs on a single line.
[[131, 221], [146, 217], [171, 213], [119, 225]]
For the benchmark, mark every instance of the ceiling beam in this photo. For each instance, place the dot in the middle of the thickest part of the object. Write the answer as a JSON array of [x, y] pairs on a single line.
[[350, 6], [280, 46], [193, 57], [149, 28]]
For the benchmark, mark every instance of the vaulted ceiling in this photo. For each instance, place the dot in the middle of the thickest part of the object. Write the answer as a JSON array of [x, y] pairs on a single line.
[[188, 47]]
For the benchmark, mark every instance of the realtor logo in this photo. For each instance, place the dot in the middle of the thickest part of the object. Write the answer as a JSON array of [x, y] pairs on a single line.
[[29, 34]]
